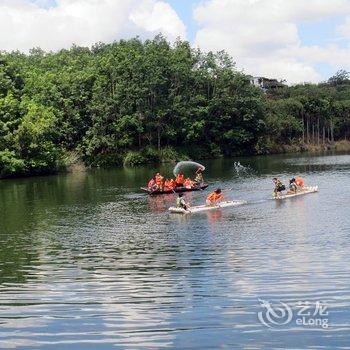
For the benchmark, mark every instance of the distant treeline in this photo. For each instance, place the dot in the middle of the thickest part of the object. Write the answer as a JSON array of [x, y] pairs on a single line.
[[137, 101]]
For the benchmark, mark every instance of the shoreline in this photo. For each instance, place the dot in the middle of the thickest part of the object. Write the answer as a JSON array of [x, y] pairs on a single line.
[[78, 165], [337, 146]]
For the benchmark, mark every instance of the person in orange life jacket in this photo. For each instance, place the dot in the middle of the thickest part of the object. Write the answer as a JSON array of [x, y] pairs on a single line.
[[159, 181], [166, 184], [299, 182], [169, 184], [172, 184], [214, 197], [180, 179], [188, 183]]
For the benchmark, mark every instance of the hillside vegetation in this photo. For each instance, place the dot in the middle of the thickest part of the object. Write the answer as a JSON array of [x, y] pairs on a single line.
[[133, 102]]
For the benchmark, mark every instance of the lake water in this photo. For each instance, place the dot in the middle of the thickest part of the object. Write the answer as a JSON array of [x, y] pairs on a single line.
[[89, 262]]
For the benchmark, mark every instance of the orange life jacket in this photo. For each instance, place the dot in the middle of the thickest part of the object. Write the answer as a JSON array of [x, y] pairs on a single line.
[[159, 179], [214, 197], [180, 179], [168, 184], [172, 183], [188, 183], [299, 182]]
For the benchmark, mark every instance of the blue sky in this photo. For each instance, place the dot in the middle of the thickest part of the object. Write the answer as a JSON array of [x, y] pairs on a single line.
[[185, 8], [297, 40], [322, 33]]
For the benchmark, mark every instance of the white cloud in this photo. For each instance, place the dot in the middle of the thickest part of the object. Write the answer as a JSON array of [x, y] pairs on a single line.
[[332, 54], [25, 24], [262, 35], [43, 3], [344, 28], [162, 17]]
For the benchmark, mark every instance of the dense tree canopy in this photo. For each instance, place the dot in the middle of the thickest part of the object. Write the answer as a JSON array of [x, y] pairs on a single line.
[[134, 101]]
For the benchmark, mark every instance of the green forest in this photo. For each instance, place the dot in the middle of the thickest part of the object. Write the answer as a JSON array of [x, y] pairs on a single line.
[[134, 102]]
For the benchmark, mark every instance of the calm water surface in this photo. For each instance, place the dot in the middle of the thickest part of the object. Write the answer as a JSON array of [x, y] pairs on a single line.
[[88, 262]]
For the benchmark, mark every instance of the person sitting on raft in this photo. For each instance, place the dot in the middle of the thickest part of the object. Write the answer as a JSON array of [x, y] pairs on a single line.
[[293, 188], [299, 182], [180, 179], [279, 187], [181, 203], [199, 176], [214, 197], [188, 183]]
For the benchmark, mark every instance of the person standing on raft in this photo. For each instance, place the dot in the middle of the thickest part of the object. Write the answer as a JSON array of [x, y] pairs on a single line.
[[214, 197]]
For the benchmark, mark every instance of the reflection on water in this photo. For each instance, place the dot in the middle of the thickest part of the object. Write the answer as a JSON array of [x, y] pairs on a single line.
[[86, 261]]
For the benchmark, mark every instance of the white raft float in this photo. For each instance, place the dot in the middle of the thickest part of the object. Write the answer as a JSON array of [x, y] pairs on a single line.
[[201, 208], [306, 190]]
